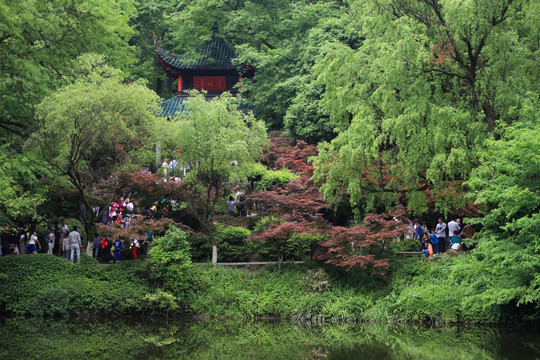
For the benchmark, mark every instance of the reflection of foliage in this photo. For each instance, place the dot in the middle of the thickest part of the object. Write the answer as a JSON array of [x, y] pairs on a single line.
[[232, 340]]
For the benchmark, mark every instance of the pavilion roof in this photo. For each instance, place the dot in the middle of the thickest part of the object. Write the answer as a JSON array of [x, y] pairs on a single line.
[[173, 106], [215, 54]]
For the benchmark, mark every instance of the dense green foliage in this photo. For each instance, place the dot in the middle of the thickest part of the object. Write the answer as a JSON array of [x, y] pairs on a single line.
[[171, 262], [39, 39], [416, 102], [44, 285], [232, 243], [441, 291], [429, 104], [97, 122]]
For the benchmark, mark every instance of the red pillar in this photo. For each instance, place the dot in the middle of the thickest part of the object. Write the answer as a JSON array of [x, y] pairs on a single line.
[[179, 83]]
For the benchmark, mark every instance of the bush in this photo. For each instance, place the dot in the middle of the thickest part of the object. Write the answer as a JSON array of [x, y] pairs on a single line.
[[275, 178], [171, 262], [298, 246], [407, 244], [232, 245], [45, 285]]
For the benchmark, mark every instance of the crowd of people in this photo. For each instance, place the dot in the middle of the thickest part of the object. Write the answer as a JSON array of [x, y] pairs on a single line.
[[59, 240], [442, 238], [62, 241]]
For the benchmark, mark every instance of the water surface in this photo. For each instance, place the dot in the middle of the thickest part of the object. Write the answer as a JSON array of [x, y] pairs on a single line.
[[146, 339]]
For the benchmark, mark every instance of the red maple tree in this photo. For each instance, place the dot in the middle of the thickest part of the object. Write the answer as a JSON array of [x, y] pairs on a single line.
[[364, 245], [297, 208]]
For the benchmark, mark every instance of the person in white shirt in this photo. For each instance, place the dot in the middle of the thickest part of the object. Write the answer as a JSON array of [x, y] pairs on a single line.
[[453, 226], [32, 243], [50, 241], [75, 244]]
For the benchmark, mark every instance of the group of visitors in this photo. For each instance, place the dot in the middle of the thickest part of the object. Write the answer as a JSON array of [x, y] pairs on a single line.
[[63, 242], [58, 239], [119, 212], [110, 249], [236, 206], [172, 171], [442, 238]]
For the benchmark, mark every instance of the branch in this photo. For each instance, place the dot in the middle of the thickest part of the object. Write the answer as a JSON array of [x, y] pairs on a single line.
[[444, 72], [13, 131], [270, 46]]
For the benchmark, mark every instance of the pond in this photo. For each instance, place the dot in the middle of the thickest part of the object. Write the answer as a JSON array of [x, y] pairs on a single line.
[[224, 339]]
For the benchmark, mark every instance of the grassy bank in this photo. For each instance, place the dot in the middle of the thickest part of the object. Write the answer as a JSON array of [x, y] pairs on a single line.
[[45, 285]]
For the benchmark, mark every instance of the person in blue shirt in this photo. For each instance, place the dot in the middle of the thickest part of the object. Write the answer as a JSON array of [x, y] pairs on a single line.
[[434, 242], [418, 233], [118, 247]]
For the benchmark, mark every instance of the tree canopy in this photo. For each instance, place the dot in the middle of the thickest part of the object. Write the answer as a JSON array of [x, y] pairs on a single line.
[[89, 128], [415, 103], [39, 39], [210, 135]]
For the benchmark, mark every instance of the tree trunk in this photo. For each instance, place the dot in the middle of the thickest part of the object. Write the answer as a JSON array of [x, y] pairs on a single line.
[[214, 254], [214, 245], [279, 262], [90, 249]]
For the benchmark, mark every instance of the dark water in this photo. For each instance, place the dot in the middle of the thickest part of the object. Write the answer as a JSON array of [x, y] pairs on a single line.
[[131, 339]]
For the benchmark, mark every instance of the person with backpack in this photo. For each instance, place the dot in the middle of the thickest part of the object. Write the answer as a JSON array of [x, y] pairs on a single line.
[[118, 247], [425, 247], [418, 232]]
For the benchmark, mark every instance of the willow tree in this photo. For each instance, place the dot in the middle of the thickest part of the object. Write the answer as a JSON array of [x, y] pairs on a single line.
[[431, 82], [90, 128], [211, 134]]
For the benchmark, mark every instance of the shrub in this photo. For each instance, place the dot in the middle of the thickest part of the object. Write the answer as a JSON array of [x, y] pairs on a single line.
[[275, 178], [407, 244], [232, 246], [171, 262]]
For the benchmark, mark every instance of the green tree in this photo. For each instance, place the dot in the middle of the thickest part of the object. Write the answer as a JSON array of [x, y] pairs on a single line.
[[150, 17], [171, 261], [211, 134], [24, 187], [90, 128], [280, 40], [507, 184], [39, 39], [414, 104]]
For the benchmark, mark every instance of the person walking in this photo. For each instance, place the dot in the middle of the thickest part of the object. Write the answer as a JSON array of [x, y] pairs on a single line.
[[32, 243], [22, 247], [453, 226], [65, 246], [135, 245], [64, 230], [75, 244]]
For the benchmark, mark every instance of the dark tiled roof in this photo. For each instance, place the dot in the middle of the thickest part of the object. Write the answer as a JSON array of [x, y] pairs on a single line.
[[173, 106], [214, 55]]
